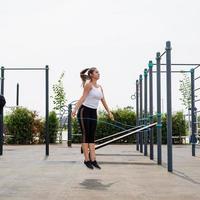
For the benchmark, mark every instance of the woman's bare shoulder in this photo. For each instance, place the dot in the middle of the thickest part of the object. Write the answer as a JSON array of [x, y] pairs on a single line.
[[88, 86]]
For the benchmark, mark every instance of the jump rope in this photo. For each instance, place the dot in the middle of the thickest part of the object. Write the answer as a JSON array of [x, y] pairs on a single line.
[[117, 125]]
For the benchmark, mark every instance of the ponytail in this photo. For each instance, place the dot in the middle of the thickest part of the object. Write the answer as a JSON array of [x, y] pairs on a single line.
[[84, 77]]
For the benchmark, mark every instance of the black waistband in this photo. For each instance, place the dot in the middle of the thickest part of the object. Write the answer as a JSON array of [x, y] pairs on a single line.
[[83, 106]]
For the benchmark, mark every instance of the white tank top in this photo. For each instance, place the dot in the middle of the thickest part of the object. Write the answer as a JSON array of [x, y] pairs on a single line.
[[93, 97]]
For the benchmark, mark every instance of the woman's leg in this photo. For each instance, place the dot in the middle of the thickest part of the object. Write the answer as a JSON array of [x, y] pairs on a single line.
[[85, 147], [93, 126], [92, 151], [84, 125]]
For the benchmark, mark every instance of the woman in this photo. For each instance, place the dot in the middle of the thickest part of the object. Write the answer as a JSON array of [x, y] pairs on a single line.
[[87, 113]]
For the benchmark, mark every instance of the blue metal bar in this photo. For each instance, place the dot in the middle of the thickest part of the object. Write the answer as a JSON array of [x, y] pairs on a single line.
[[169, 107], [151, 109], [193, 137], [184, 64], [159, 125], [175, 71]]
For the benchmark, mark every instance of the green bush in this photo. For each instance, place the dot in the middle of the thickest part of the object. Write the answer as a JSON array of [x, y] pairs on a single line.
[[20, 126], [23, 126], [53, 128], [127, 116]]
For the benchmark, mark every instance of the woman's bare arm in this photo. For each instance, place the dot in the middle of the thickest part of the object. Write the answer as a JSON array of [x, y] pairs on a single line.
[[86, 90], [103, 101]]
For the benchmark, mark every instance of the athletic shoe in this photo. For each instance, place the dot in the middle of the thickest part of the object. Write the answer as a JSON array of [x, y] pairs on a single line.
[[88, 164], [95, 164]]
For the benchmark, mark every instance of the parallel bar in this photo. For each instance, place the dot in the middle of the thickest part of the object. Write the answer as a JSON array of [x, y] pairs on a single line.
[[145, 113], [69, 126], [25, 68], [124, 136], [197, 100], [197, 111], [169, 106], [137, 114], [17, 95], [193, 138], [151, 109], [159, 125], [179, 64], [47, 110], [119, 133], [175, 71], [141, 115], [1, 116]]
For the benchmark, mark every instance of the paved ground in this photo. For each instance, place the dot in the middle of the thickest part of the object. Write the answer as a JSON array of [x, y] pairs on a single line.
[[25, 174]]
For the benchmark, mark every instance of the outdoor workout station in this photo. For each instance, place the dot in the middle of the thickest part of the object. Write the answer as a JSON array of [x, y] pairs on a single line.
[[3, 101], [145, 123]]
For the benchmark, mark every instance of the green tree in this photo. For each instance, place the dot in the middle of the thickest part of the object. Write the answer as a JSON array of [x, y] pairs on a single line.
[[185, 89], [59, 101]]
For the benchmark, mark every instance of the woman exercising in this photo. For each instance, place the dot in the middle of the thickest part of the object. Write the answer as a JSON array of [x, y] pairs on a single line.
[[87, 113]]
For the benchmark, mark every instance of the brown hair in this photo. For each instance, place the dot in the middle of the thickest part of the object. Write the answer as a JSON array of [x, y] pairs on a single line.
[[87, 76]]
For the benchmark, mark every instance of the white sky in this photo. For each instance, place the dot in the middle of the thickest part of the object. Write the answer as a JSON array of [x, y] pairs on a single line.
[[118, 37]]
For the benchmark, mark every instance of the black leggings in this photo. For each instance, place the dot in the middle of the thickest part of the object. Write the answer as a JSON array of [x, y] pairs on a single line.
[[87, 118]]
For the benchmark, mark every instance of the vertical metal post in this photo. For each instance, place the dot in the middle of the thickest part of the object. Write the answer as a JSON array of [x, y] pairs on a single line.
[[17, 96], [159, 123], [169, 106], [193, 137], [151, 108], [2, 80], [141, 115], [1, 112], [47, 109], [137, 116], [69, 125], [145, 113]]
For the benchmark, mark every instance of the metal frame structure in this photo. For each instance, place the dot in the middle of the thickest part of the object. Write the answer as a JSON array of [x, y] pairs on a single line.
[[143, 117], [46, 69]]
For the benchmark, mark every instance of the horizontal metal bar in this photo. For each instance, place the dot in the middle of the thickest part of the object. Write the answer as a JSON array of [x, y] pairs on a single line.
[[184, 64], [197, 89], [124, 136], [24, 68], [197, 100], [197, 78], [197, 111], [175, 71], [12, 107]]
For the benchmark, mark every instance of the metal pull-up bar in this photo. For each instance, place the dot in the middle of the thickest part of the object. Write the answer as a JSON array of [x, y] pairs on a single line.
[[46, 69]]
